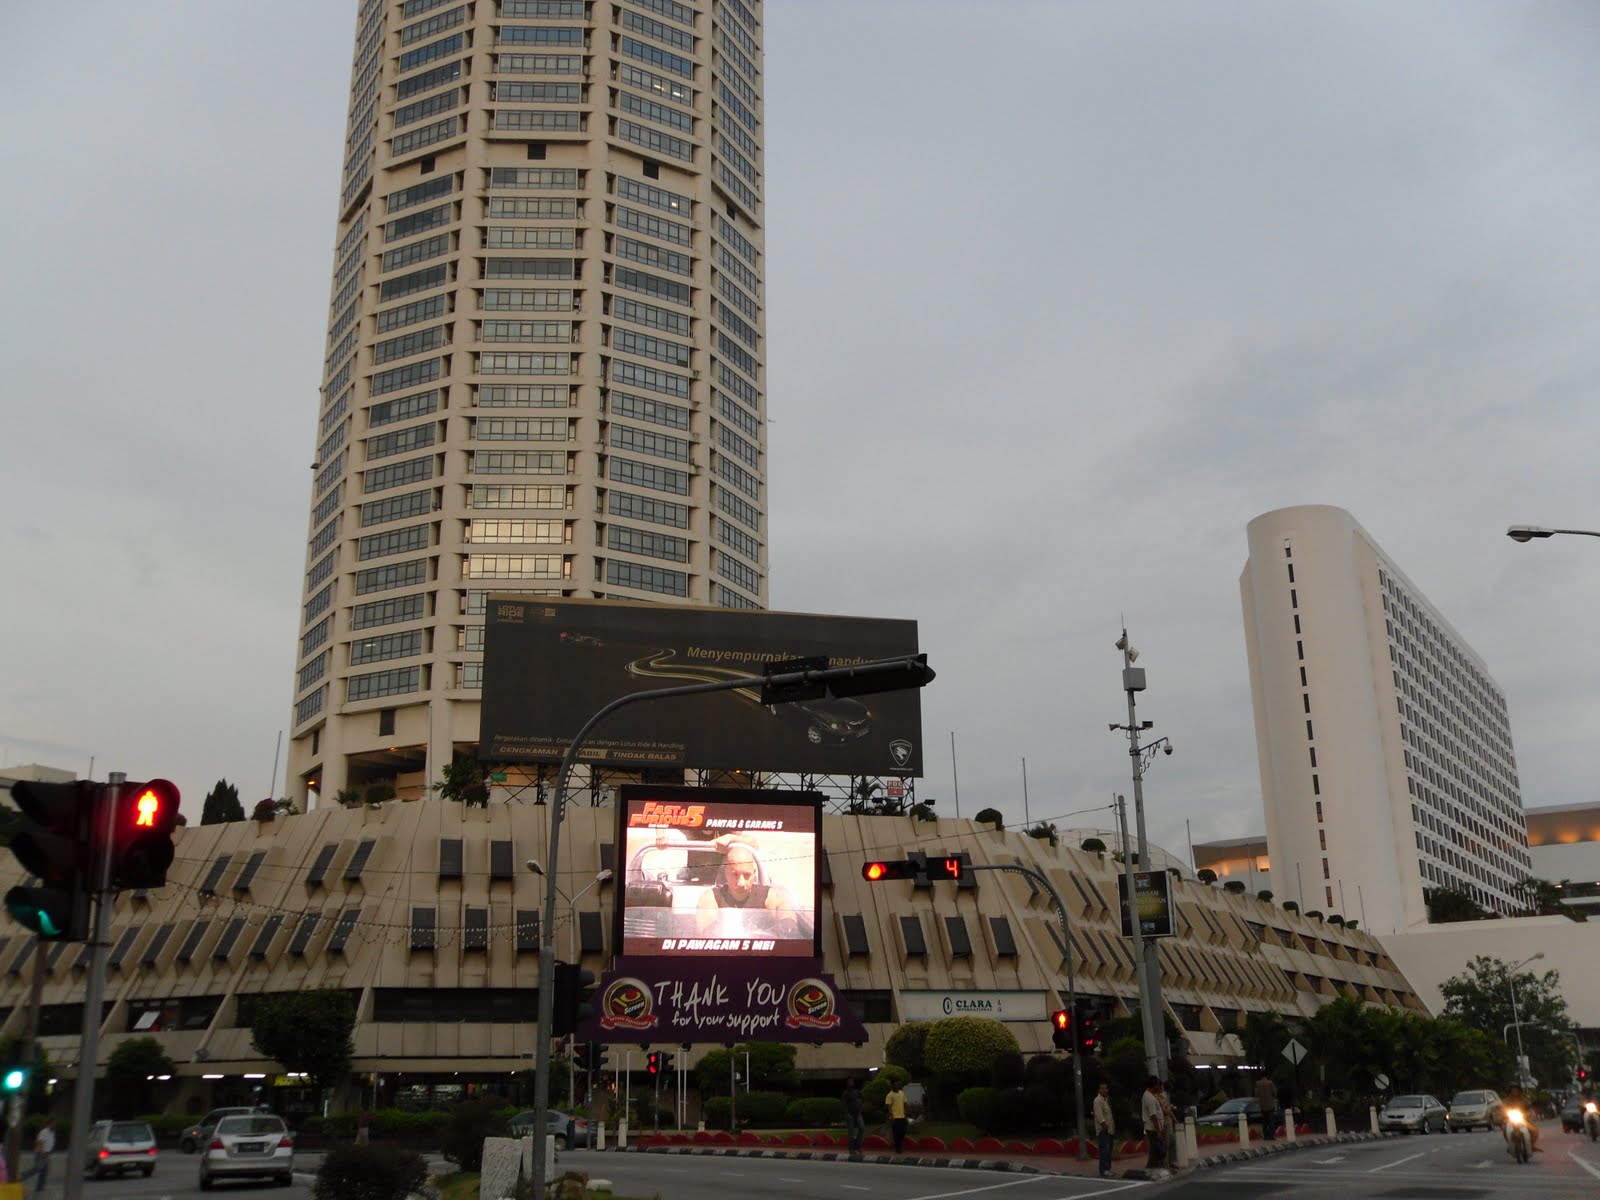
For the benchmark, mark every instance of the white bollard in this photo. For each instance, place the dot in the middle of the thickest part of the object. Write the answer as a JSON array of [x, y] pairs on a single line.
[[1333, 1126], [1244, 1129], [700, 1128], [622, 1134], [1288, 1123], [599, 1128], [1192, 1136], [1373, 1114], [1177, 1148], [550, 1167]]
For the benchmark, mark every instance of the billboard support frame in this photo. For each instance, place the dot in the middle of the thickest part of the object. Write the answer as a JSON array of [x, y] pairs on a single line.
[[897, 672]]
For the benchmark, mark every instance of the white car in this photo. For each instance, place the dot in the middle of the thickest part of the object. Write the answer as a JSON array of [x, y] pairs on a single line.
[[257, 1146], [118, 1146]]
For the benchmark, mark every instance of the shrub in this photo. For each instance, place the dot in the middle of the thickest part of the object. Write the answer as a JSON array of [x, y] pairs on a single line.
[[762, 1108], [976, 1106], [714, 1111], [468, 1124], [1264, 895], [959, 1050], [1206, 875], [164, 1127], [1290, 906], [906, 1045], [1007, 1070], [370, 1173], [1093, 845], [815, 1112], [1011, 1113], [410, 1128], [1235, 886]]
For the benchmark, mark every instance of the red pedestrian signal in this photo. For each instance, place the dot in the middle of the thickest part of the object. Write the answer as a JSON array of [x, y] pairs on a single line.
[[1061, 1029], [141, 836]]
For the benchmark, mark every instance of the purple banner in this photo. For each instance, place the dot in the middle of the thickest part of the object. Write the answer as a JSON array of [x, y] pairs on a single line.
[[685, 1000]]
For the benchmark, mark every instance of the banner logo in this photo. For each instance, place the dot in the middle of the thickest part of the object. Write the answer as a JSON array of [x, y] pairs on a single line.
[[900, 751], [811, 1005], [626, 1004]]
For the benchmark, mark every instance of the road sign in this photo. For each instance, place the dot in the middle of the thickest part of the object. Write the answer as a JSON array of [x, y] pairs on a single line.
[[1381, 1082], [1294, 1052]]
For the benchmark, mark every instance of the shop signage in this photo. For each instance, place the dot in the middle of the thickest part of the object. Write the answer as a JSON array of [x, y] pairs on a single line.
[[1000, 1006]]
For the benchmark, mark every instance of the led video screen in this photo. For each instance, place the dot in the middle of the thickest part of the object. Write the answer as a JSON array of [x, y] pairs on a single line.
[[718, 871]]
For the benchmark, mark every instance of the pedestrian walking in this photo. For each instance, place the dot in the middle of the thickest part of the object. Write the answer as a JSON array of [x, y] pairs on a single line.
[[1267, 1097], [1155, 1122], [854, 1127], [364, 1127], [1105, 1127], [44, 1145], [895, 1102]]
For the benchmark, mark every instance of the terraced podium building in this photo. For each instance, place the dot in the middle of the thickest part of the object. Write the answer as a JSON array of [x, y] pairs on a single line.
[[425, 913], [544, 366]]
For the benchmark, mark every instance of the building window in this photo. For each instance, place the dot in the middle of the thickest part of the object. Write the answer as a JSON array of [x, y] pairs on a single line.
[[855, 935], [911, 934]]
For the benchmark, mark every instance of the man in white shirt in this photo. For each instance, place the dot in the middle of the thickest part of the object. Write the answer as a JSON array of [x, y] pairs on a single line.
[[1105, 1127], [44, 1145], [1155, 1122]]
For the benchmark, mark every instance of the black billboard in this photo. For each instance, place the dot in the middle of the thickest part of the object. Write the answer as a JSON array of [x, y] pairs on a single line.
[[550, 664]]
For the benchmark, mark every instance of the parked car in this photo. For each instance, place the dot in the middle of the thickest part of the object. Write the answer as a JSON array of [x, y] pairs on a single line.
[[1572, 1114], [1468, 1110], [1227, 1113], [118, 1146], [200, 1132], [255, 1146], [1413, 1114], [569, 1130]]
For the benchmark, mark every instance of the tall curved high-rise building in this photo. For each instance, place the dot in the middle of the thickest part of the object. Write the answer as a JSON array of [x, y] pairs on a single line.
[[1387, 767], [544, 361]]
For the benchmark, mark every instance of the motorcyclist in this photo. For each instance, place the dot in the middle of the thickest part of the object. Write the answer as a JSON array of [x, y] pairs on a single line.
[[1514, 1099]]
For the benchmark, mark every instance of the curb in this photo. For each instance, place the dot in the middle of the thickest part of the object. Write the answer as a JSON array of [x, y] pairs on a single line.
[[1283, 1146], [969, 1164]]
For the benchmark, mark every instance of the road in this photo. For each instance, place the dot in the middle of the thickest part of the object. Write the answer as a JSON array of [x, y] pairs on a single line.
[[177, 1177], [695, 1176], [1472, 1166]]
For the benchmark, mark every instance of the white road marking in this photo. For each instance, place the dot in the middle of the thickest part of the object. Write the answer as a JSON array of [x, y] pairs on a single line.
[[791, 1179], [1584, 1163], [1396, 1162], [1325, 1161], [992, 1187], [854, 1187], [1121, 1187]]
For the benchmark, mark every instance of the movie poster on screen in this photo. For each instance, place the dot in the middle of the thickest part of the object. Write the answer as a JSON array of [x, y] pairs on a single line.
[[718, 872]]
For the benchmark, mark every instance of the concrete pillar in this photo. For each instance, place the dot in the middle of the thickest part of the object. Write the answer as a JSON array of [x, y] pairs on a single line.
[[1244, 1129], [1333, 1126], [1372, 1114], [1288, 1123]]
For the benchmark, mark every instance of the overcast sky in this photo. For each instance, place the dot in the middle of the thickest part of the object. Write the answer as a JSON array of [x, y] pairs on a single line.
[[1061, 295]]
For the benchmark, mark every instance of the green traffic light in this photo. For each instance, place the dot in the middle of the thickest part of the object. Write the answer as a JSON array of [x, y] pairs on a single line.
[[14, 1079]]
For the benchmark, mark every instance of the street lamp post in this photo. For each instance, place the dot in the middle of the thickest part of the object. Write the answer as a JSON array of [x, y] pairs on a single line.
[[572, 954], [1516, 1021], [1526, 533], [782, 684]]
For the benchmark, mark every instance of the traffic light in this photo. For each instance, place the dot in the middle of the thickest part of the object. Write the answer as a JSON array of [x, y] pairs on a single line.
[[1061, 1024], [58, 849], [666, 1062], [592, 1056], [1087, 1027], [1583, 1074], [917, 866], [573, 985], [14, 1080], [652, 1062], [141, 834]]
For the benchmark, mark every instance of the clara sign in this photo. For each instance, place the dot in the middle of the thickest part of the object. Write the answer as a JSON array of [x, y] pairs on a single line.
[[998, 1006]]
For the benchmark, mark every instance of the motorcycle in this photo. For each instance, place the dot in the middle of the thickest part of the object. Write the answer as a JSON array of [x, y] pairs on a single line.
[[1519, 1142], [1591, 1120]]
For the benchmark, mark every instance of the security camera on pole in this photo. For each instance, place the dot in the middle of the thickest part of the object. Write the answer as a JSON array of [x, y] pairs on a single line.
[[1152, 1012]]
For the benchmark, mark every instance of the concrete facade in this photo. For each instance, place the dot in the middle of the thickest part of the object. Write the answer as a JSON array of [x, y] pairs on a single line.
[[544, 368], [1384, 744], [425, 913]]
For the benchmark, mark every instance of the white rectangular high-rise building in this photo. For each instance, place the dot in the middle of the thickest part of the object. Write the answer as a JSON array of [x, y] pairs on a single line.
[[1385, 746], [544, 362]]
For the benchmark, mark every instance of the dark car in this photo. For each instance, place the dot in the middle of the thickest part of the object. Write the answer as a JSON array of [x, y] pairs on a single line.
[[1227, 1113], [1572, 1115], [831, 721]]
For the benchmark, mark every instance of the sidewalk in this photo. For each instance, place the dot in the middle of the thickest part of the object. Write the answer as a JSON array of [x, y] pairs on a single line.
[[988, 1154]]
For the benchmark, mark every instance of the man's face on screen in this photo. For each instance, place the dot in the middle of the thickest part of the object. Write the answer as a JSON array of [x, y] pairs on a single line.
[[740, 872]]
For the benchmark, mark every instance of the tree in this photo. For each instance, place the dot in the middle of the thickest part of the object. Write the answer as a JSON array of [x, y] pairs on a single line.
[[959, 1051], [991, 816], [1481, 998], [131, 1072], [1044, 830], [222, 805], [1446, 906], [309, 1032], [463, 781], [1093, 845], [771, 1068], [905, 1048]]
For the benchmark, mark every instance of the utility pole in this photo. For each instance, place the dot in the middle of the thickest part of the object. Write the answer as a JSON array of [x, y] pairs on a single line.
[[1155, 1026]]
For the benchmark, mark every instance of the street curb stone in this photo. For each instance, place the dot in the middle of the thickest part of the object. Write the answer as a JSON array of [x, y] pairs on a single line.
[[1283, 1146]]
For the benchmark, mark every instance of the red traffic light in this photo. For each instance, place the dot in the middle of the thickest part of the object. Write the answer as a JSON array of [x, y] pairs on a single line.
[[141, 839], [872, 872], [1061, 1019], [652, 1063]]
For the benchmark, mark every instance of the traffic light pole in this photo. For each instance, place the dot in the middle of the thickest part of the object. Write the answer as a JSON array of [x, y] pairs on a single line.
[[902, 672], [1072, 984], [93, 995], [27, 1056]]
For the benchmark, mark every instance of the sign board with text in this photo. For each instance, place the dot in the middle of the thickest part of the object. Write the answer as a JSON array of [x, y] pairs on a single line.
[[958, 1002], [1152, 893]]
